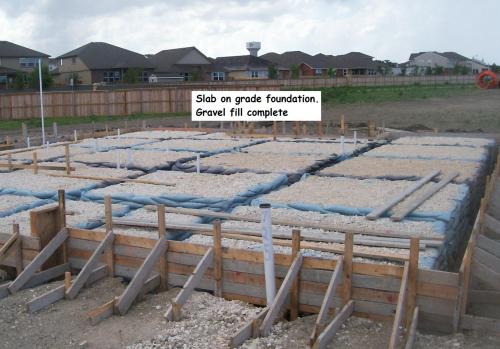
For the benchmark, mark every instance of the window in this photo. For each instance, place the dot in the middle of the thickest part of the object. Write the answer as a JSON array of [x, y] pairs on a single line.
[[318, 71], [28, 62], [111, 76], [254, 74], [344, 72], [73, 60], [217, 76], [145, 76]]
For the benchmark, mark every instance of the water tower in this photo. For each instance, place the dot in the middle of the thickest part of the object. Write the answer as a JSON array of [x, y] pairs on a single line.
[[253, 47]]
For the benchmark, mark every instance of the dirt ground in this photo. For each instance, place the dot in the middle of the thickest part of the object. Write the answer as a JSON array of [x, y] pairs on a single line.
[[208, 322]]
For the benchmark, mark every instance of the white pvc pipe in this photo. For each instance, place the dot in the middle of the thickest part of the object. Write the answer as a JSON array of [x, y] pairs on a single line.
[[267, 239], [47, 144], [74, 134], [28, 142], [342, 144], [119, 134], [41, 99], [355, 138], [197, 163]]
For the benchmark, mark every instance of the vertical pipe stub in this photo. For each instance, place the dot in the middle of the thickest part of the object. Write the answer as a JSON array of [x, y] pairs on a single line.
[[267, 239]]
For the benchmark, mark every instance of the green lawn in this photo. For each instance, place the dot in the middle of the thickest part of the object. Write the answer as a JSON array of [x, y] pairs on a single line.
[[71, 120], [350, 95]]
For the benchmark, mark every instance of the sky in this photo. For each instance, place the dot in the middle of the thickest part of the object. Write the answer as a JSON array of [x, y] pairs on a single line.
[[385, 29]]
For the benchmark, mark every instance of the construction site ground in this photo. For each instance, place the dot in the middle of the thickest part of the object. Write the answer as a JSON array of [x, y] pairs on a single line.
[[207, 322]]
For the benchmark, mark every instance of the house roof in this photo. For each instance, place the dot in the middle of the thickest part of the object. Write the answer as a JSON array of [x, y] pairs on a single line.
[[9, 49], [168, 60], [351, 60], [453, 56], [240, 63], [289, 58], [101, 55]]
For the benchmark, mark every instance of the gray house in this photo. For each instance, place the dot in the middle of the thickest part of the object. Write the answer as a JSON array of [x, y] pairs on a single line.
[[447, 60], [15, 58], [180, 64]]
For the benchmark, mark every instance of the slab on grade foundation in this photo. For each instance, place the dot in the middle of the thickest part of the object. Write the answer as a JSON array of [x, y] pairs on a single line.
[[80, 214], [84, 170], [463, 153], [358, 197], [363, 167], [189, 186], [43, 186], [162, 134], [198, 145], [301, 148], [257, 162], [108, 143], [134, 159], [452, 141]]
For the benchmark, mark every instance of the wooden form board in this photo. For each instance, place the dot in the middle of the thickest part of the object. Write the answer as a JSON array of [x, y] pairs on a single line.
[[374, 286]]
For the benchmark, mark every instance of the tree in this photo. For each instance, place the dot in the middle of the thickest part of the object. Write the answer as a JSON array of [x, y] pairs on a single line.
[[294, 69], [195, 76], [332, 72], [272, 72], [19, 81], [428, 71], [438, 70], [131, 76], [47, 79], [495, 68]]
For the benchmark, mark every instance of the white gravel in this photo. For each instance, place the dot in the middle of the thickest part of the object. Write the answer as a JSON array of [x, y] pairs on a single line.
[[366, 167], [110, 143], [429, 151], [157, 134], [84, 170], [278, 163], [200, 185], [46, 153], [26, 180], [354, 193], [314, 148], [217, 135], [197, 145], [460, 141], [139, 158], [77, 212], [10, 202]]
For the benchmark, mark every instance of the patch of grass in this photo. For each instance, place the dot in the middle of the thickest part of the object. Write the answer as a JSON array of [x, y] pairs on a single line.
[[78, 120], [376, 94]]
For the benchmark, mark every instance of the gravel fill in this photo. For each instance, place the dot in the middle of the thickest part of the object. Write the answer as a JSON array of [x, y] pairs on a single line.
[[84, 170], [156, 134], [261, 162], [314, 148], [459, 141], [26, 180], [78, 212], [110, 142], [430, 152], [217, 135], [355, 193], [368, 167], [10, 202], [198, 185], [44, 154], [207, 322], [140, 158], [198, 145]]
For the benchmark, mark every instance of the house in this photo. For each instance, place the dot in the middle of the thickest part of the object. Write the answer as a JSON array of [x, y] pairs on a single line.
[[186, 63], [352, 63], [450, 62], [98, 62], [307, 65], [246, 67], [15, 58]]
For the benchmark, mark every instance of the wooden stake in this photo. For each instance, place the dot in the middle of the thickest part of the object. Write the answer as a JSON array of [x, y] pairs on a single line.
[[275, 130], [35, 163], [18, 245], [66, 157], [108, 212], [294, 292], [348, 252], [342, 125], [398, 317], [412, 280], [304, 129], [163, 258], [217, 238], [67, 281], [9, 161], [62, 221]]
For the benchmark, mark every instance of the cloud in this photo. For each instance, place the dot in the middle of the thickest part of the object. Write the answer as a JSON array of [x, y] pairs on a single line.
[[385, 29]]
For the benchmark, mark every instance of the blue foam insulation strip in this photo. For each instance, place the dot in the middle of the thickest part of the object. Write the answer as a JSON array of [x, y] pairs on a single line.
[[73, 194], [24, 207]]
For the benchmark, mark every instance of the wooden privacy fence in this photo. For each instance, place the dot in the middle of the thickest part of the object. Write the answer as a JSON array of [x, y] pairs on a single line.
[[177, 98], [112, 102]]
